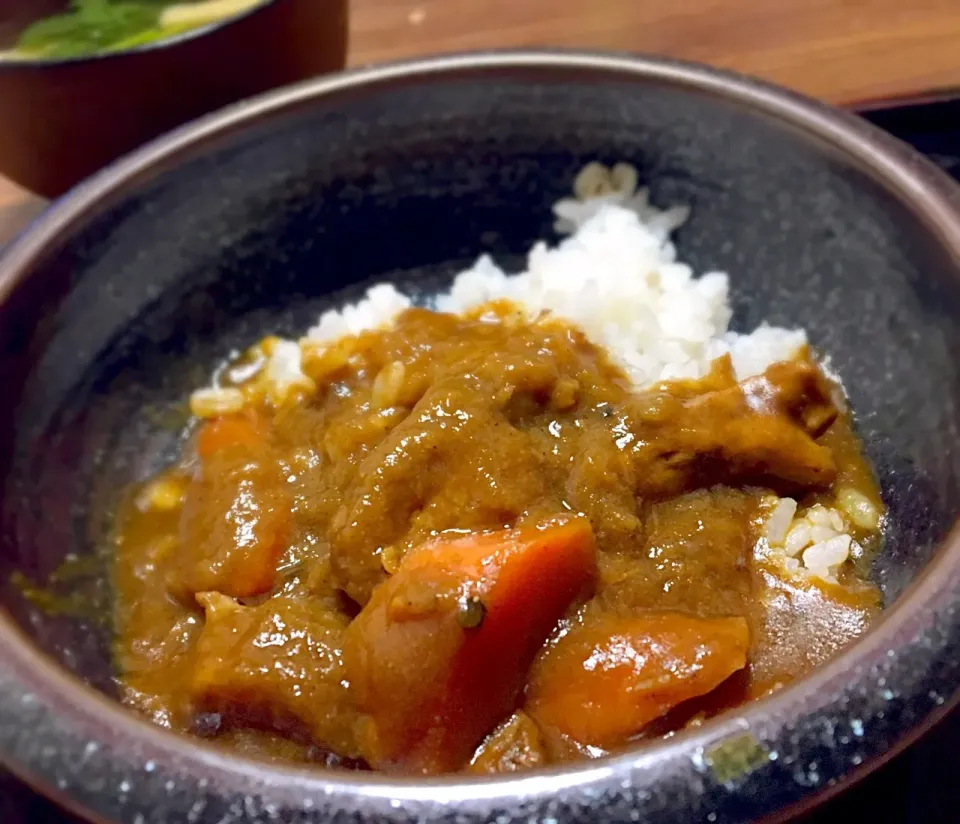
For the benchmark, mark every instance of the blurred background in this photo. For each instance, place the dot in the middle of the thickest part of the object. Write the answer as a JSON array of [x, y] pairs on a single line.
[[856, 53]]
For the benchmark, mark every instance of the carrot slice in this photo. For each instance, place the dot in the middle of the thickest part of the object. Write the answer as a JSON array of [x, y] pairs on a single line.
[[440, 653], [244, 429], [606, 679]]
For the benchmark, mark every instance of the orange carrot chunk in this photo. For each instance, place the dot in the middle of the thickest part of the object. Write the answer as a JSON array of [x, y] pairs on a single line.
[[607, 678], [240, 430], [440, 653]]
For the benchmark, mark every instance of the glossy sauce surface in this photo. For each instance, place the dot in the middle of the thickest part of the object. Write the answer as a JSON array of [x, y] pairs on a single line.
[[240, 573]]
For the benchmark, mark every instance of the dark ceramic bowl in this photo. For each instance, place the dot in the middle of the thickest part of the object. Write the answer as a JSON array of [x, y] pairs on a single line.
[[64, 119], [122, 296]]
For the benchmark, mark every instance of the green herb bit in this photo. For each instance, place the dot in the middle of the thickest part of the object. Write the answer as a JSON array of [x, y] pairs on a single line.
[[736, 758], [90, 26]]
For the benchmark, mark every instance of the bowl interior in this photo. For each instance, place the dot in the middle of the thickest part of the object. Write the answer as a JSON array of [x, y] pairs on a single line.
[[258, 230]]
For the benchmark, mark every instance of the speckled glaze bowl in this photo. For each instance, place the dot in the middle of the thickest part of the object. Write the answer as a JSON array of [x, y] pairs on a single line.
[[124, 293]]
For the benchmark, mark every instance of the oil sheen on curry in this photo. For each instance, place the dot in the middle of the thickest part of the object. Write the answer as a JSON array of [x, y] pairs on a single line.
[[470, 543]]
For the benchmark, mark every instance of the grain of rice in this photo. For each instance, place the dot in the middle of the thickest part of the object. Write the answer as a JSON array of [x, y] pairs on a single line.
[[779, 521], [823, 558], [791, 566], [816, 535], [858, 508], [565, 394], [818, 515], [798, 538], [388, 385], [592, 181], [821, 532], [624, 178], [162, 495], [322, 363], [390, 558], [284, 374], [213, 402]]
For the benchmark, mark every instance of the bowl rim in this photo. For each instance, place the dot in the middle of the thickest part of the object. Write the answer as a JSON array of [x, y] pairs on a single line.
[[10, 60], [903, 173]]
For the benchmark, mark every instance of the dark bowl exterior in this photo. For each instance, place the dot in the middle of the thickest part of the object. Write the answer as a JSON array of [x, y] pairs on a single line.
[[64, 120], [122, 296]]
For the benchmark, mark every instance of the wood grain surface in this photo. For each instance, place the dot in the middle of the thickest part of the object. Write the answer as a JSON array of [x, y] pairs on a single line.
[[844, 51]]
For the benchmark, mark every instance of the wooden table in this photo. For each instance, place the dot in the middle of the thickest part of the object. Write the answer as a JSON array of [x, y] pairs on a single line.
[[845, 51]]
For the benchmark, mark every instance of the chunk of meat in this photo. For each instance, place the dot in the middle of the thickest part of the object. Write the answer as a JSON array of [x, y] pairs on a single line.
[[759, 432], [276, 666], [439, 467], [690, 544], [604, 680], [797, 389], [516, 744], [236, 515], [440, 653]]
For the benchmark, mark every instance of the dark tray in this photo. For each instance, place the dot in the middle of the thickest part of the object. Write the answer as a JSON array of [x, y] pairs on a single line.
[[932, 127], [920, 786]]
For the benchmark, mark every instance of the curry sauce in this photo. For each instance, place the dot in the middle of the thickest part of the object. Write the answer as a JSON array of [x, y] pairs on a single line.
[[476, 528]]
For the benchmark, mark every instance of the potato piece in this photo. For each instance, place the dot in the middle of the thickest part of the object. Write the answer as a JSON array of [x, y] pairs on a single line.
[[236, 515]]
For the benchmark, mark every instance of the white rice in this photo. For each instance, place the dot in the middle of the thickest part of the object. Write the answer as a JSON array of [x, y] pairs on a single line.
[[616, 278], [816, 542]]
